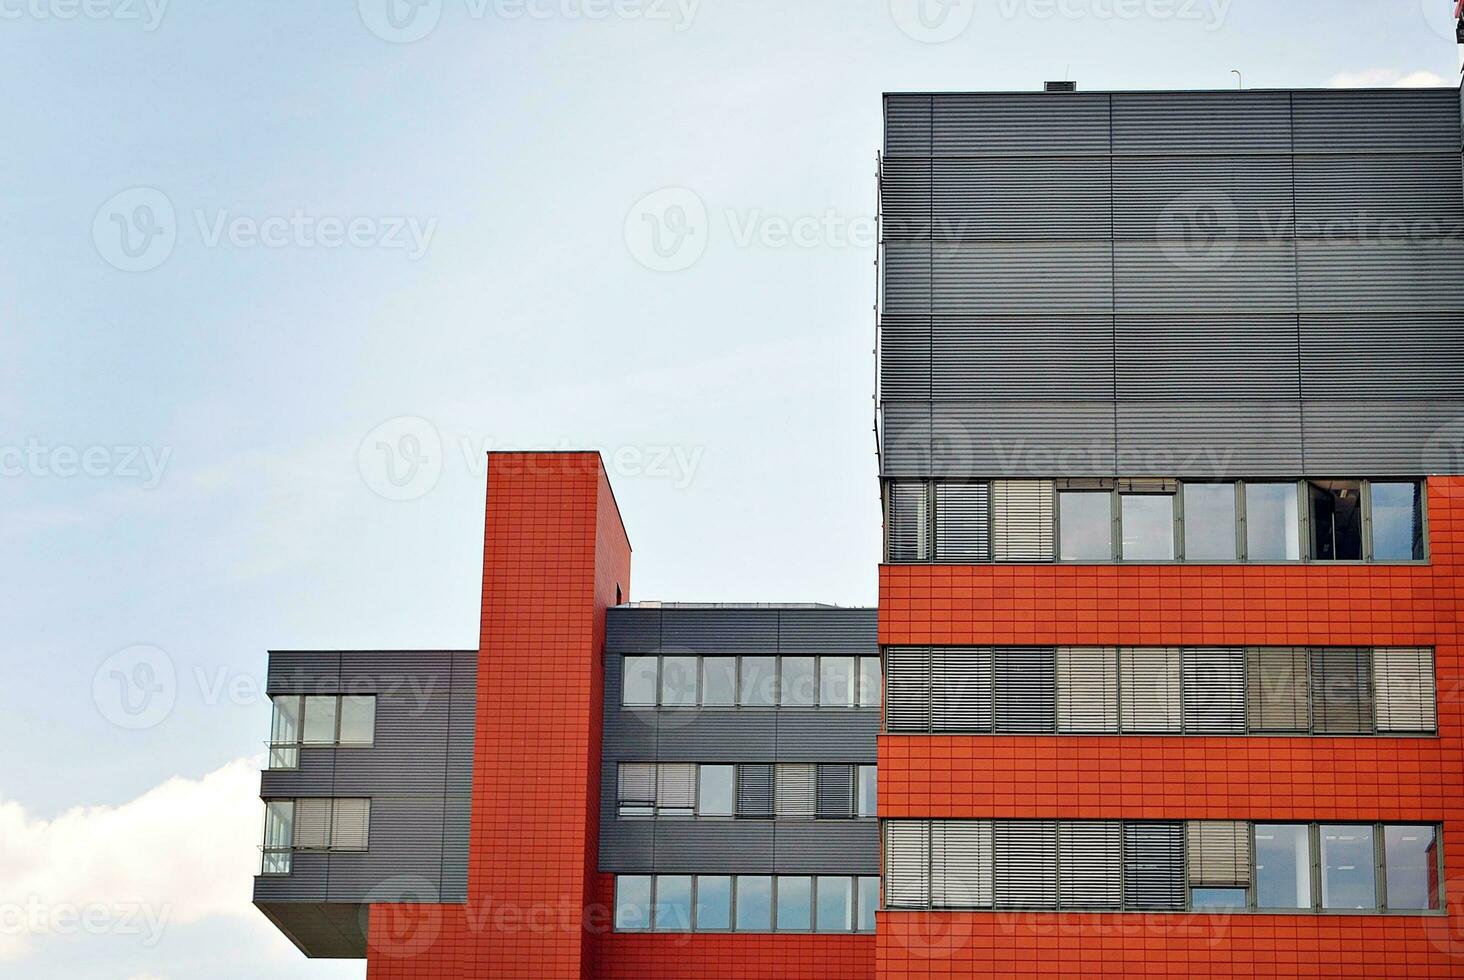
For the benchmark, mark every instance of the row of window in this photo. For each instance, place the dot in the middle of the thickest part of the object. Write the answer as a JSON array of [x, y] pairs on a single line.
[[1161, 866], [347, 720], [787, 791], [315, 824], [1155, 520], [750, 682], [1145, 690], [745, 903]]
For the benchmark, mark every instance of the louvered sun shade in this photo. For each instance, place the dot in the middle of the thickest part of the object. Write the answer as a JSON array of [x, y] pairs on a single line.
[[1153, 866], [1341, 684], [1219, 853], [1026, 689], [908, 520], [1021, 520], [907, 689], [1403, 684], [1278, 683], [1024, 855], [1214, 691], [350, 827], [961, 517], [312, 824], [961, 864], [796, 794], [637, 789], [1087, 689], [907, 864], [755, 792], [1090, 858], [961, 689], [1149, 685], [676, 789], [835, 792]]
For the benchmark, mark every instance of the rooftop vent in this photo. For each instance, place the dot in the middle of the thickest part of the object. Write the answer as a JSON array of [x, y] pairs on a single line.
[[1060, 86]]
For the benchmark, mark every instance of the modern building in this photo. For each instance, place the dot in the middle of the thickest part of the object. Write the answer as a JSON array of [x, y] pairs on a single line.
[[1164, 675]]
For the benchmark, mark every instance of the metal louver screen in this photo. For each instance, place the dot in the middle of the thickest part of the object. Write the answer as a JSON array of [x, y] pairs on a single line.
[[960, 689], [1219, 853], [1021, 520], [907, 864], [1153, 866], [312, 824], [962, 533], [1278, 686], [1026, 689], [755, 792], [907, 689], [797, 790], [350, 825], [676, 788], [836, 792], [1024, 853], [1149, 688], [1341, 684], [908, 533], [1090, 854], [1087, 689], [638, 783], [1403, 679], [961, 864], [1214, 691]]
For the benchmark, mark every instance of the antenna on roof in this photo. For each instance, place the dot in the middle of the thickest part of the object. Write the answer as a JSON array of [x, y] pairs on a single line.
[[1239, 80]]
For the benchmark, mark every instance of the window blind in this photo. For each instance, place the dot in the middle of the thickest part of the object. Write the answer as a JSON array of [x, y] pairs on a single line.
[[1025, 858], [1403, 679], [1149, 686], [961, 864], [836, 792], [1026, 689], [1153, 866], [1278, 684], [907, 689], [907, 864], [637, 788], [676, 789], [312, 823], [1086, 681], [1090, 863], [962, 533], [1341, 684], [960, 689], [1021, 520], [755, 792], [796, 793], [908, 534], [350, 824], [1219, 853], [1214, 690]]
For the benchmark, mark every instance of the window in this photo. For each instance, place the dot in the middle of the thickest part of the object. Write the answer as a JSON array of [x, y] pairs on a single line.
[[639, 681], [358, 720], [868, 904], [1341, 685], [1085, 525], [323, 823], [284, 732], [1209, 522], [755, 792], [718, 791], [907, 689], [961, 696], [835, 792], [1272, 528], [1024, 854], [320, 719], [1397, 521], [754, 903], [1148, 526], [1087, 689], [637, 789], [1410, 855], [279, 836], [1283, 866], [1220, 899], [633, 901], [795, 903], [960, 863], [870, 682], [719, 682], [1219, 863], [907, 863], [961, 532], [1153, 866], [350, 825], [1403, 686], [328, 720], [1336, 519], [675, 789], [1347, 867], [907, 522], [678, 682], [1025, 685], [835, 904], [673, 903], [713, 902], [1090, 854], [868, 791], [1214, 690], [797, 687], [1278, 690], [1021, 520], [759, 682], [1149, 679], [836, 682], [796, 791]]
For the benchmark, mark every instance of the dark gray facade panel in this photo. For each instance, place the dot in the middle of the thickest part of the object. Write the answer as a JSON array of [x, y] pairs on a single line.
[[726, 846], [321, 929], [715, 735], [853, 632], [1214, 439], [1415, 196], [303, 672], [1018, 123], [1383, 438], [1339, 276], [905, 356], [1015, 438], [1235, 197], [1016, 198], [832, 735], [632, 630], [904, 197], [457, 818], [1201, 122], [1198, 275], [405, 850], [1206, 356], [712, 631], [1024, 357], [1049, 277], [314, 776], [826, 847], [907, 124], [1375, 120], [306, 882], [906, 285], [1353, 356]]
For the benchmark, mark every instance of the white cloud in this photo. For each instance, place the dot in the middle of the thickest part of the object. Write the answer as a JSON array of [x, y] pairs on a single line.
[[181, 852], [1387, 78]]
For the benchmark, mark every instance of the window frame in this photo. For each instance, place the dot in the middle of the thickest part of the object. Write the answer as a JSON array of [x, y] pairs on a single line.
[[852, 884], [291, 749], [860, 701]]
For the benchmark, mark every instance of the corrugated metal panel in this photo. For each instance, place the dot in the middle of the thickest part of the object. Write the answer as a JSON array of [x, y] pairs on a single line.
[[632, 630], [1149, 686], [1005, 356], [1382, 437], [1352, 120], [1022, 520], [291, 671], [713, 847], [1201, 122], [1403, 679], [719, 630], [406, 841], [1351, 356], [1052, 277], [1026, 689], [961, 689], [1219, 853], [905, 439], [1344, 276], [1214, 690], [1087, 689], [962, 519], [905, 197], [1090, 863], [1047, 438], [715, 735], [306, 881], [1231, 197], [1025, 858], [906, 281], [1201, 274], [826, 847], [1153, 866], [961, 864], [904, 356], [1368, 195], [1018, 198], [1203, 357], [1341, 686], [852, 632], [907, 864], [1278, 686], [907, 124], [827, 735], [1019, 123], [1210, 439], [907, 689]]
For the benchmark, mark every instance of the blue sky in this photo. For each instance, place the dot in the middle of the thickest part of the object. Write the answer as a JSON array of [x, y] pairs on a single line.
[[247, 246]]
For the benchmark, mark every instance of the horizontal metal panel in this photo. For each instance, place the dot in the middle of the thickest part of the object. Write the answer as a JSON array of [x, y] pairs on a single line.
[[713, 846], [1236, 197], [1392, 438], [1015, 438], [1351, 356], [905, 355], [905, 281], [1207, 356], [1349, 120], [826, 847], [907, 124], [990, 356], [714, 735], [838, 735], [1018, 123], [1053, 277], [1201, 274], [1223, 439], [719, 630], [850, 632], [905, 439], [303, 672], [306, 882], [1011, 198], [905, 197], [1417, 195], [405, 841], [1345, 276], [632, 630], [1201, 122]]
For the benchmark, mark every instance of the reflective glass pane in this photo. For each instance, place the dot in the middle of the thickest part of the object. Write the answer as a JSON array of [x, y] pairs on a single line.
[[716, 794], [714, 902], [1148, 526], [638, 680], [633, 902], [320, 720], [835, 911], [1348, 879], [836, 682], [673, 903], [1209, 521], [1283, 866], [795, 903], [1411, 863], [871, 685], [284, 732], [1086, 523], [719, 681], [1217, 898], [755, 903], [868, 791], [1272, 532], [868, 903], [358, 719], [759, 682], [678, 682], [1336, 520], [1397, 521], [796, 683], [279, 823]]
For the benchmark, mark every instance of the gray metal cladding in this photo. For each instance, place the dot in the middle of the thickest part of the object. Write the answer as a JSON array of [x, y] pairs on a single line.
[[1006, 198], [632, 630], [712, 846], [1052, 277], [405, 843], [1205, 356], [1214, 439], [1009, 356], [303, 671], [1018, 123], [1234, 197], [715, 735], [306, 882], [826, 847], [852, 632], [905, 347], [829, 735], [1353, 356], [1389, 277], [1201, 122], [1362, 194], [1020, 438], [1204, 275], [719, 630], [907, 277], [905, 438], [1376, 120], [907, 124], [1400, 438]]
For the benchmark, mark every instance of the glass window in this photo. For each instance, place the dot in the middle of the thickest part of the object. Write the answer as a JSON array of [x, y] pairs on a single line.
[[1217, 898], [638, 680], [320, 720], [1209, 521], [358, 719], [714, 902], [284, 732], [795, 903], [1336, 520], [1348, 879], [759, 682], [673, 903], [633, 902], [835, 904], [279, 836], [1085, 520], [717, 794], [1397, 521], [836, 681], [1411, 863], [754, 903], [871, 685], [1148, 526], [796, 685], [868, 903], [1283, 866], [678, 682], [868, 791], [1271, 524], [719, 682]]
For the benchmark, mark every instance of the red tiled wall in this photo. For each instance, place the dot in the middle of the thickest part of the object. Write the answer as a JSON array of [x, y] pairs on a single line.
[[1184, 778]]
